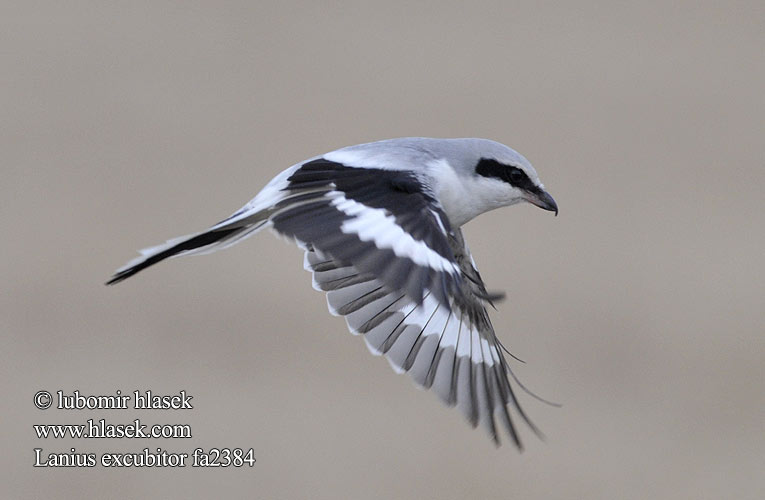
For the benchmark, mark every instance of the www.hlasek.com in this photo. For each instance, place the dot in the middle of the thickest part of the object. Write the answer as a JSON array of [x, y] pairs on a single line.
[[101, 429]]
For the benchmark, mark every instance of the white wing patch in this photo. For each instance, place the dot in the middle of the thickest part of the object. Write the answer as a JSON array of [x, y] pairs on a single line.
[[375, 225]]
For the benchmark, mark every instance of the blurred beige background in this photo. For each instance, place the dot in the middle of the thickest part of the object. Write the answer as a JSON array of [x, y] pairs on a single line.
[[640, 307]]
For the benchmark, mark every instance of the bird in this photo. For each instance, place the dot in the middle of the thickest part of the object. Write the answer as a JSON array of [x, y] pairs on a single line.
[[380, 225]]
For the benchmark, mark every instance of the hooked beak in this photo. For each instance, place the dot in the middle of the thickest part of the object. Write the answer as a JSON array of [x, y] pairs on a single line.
[[543, 200]]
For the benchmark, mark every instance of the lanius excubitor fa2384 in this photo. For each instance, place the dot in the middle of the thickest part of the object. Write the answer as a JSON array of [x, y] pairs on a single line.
[[380, 226]]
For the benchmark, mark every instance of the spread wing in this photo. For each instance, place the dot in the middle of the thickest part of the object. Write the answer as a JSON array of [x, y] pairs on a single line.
[[380, 245], [383, 250]]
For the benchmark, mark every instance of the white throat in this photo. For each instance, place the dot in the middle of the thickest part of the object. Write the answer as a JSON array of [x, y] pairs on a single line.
[[466, 197]]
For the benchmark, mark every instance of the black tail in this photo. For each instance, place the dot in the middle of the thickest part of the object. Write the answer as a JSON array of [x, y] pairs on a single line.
[[199, 241]]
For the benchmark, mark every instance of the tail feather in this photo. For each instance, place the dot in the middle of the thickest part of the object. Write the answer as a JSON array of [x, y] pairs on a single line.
[[157, 254], [245, 222]]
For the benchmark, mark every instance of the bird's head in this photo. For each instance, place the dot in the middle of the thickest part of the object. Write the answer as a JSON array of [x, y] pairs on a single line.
[[509, 177]]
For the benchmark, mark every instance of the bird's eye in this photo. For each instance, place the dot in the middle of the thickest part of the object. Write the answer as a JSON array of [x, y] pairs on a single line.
[[516, 176]]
